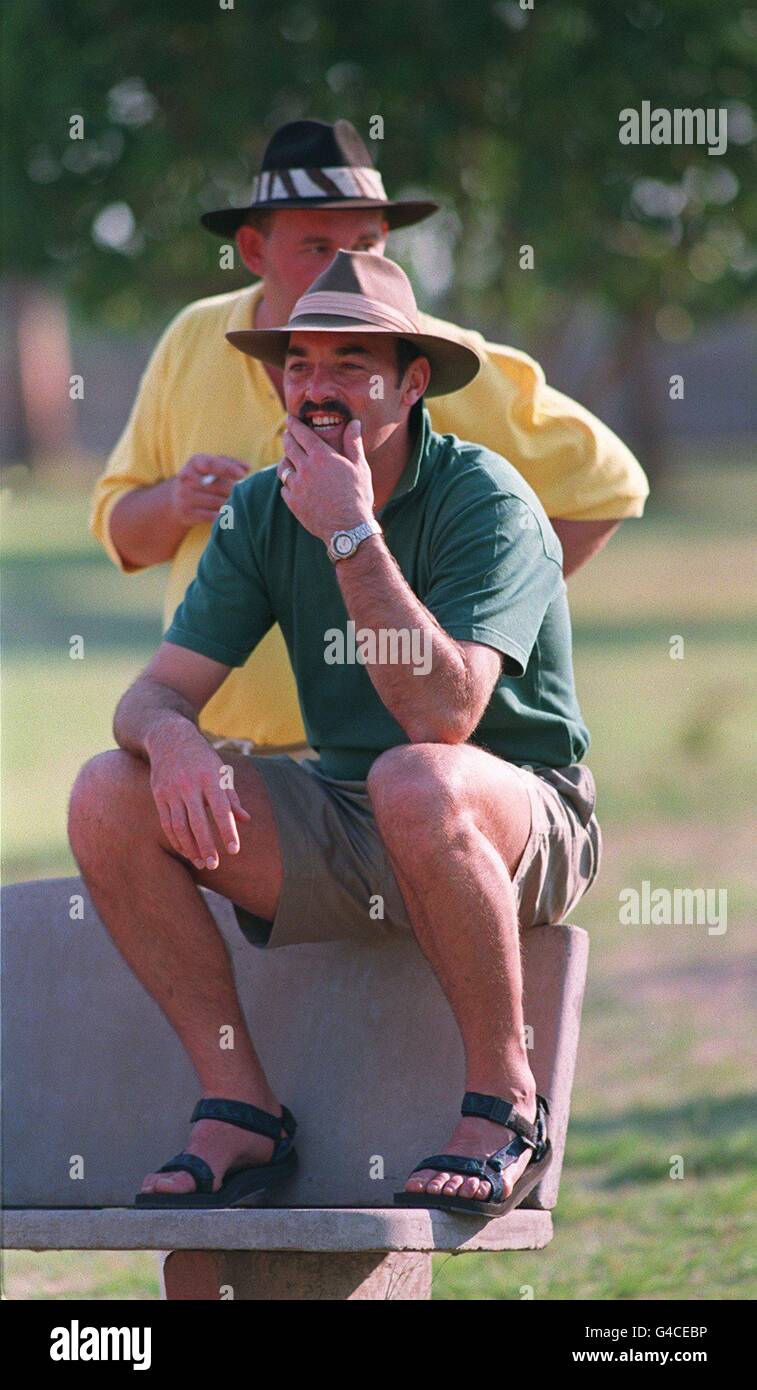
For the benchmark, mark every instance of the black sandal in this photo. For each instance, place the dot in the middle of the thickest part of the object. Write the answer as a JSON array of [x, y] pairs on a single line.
[[529, 1135], [238, 1183]]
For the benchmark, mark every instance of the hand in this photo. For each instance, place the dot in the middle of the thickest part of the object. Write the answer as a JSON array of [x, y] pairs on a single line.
[[325, 490], [197, 499], [185, 778]]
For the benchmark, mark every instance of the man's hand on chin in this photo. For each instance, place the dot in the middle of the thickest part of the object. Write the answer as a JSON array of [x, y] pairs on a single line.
[[327, 489]]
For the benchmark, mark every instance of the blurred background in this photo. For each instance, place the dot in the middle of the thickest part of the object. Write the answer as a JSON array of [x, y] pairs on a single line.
[[508, 114]]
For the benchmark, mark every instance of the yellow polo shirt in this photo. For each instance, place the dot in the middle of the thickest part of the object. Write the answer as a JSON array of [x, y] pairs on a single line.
[[201, 395]]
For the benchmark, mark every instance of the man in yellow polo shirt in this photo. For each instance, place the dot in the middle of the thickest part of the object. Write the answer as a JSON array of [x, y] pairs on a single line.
[[188, 439]]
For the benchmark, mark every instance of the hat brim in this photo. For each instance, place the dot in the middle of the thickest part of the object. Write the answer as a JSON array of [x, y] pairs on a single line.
[[226, 221], [452, 364]]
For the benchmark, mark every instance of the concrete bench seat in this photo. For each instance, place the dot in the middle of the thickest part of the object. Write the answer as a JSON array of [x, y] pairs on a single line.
[[98, 1091], [298, 1253]]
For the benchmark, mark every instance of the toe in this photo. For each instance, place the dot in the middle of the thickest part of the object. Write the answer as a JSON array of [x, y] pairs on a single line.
[[174, 1182], [448, 1185], [427, 1180], [477, 1189], [159, 1182], [436, 1183], [454, 1185]]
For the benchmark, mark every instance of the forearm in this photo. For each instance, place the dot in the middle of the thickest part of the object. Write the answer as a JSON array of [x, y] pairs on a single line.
[[144, 526], [150, 715], [431, 699]]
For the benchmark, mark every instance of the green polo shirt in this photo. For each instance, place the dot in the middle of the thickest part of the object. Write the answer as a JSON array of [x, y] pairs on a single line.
[[476, 547]]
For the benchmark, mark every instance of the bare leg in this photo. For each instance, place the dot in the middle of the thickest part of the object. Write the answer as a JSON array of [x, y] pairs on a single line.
[[149, 900], [455, 821]]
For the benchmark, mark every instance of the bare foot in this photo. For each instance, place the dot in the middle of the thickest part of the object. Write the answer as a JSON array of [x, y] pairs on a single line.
[[476, 1138], [224, 1147]]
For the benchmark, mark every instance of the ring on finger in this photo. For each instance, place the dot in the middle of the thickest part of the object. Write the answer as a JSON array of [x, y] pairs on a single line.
[[285, 473]]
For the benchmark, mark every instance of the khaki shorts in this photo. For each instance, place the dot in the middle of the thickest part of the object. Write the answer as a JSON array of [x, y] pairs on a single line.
[[338, 882]]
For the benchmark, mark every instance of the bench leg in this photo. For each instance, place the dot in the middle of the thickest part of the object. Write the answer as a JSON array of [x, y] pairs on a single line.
[[294, 1275]]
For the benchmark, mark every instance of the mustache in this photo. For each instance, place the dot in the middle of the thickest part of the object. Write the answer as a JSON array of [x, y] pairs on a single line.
[[329, 407]]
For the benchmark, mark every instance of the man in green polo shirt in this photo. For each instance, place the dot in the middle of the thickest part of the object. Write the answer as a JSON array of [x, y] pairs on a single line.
[[418, 585]]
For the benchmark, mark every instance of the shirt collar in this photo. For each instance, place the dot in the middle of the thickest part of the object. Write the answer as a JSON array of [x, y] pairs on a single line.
[[243, 306], [411, 472]]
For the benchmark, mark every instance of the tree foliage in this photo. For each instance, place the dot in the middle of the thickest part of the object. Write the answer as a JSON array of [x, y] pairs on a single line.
[[508, 115]]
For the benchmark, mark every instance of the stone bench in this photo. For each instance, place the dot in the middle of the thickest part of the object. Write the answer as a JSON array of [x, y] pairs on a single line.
[[97, 1091]]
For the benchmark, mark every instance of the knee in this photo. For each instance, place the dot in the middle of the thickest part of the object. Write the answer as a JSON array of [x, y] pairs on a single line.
[[417, 794], [101, 795]]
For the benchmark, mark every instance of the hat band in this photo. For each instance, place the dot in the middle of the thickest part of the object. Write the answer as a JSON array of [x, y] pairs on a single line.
[[353, 306], [341, 181]]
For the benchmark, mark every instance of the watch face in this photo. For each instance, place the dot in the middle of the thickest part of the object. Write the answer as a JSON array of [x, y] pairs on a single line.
[[343, 543]]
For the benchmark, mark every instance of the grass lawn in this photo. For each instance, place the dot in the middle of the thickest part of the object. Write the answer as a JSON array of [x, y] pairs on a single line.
[[664, 1070]]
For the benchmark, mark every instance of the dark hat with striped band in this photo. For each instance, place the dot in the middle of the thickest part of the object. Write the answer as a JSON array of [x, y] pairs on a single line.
[[311, 164], [362, 292]]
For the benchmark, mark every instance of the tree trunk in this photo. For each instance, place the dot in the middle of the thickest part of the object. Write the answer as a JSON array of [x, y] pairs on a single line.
[[38, 415], [644, 393]]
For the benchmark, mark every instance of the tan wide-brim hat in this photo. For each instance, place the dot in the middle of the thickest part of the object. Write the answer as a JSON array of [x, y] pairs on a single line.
[[367, 293]]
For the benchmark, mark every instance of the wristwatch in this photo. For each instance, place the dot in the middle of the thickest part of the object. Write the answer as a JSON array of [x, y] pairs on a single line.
[[345, 543]]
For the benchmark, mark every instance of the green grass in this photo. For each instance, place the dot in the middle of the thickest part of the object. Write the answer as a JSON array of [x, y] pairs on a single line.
[[97, 1275], [664, 1065]]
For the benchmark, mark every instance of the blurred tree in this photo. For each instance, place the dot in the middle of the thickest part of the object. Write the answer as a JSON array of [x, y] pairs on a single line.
[[508, 113]]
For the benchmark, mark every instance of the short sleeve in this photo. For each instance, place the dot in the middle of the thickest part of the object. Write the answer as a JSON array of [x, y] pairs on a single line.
[[577, 466], [495, 570], [226, 610], [138, 459]]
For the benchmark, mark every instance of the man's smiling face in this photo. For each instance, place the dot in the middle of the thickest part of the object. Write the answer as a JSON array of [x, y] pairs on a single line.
[[332, 378]]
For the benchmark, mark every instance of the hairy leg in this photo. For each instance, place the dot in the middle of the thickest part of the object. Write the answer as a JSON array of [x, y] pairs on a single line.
[[150, 903], [455, 821]]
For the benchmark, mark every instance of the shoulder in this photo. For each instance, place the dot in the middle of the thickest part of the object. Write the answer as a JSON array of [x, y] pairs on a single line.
[[189, 350], [469, 478], [464, 466], [199, 328], [210, 315], [498, 356]]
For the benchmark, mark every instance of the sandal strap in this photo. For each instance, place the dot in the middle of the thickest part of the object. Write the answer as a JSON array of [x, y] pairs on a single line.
[[470, 1168], [250, 1117], [195, 1166], [453, 1163], [503, 1112], [503, 1158]]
